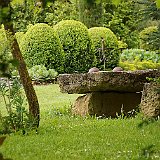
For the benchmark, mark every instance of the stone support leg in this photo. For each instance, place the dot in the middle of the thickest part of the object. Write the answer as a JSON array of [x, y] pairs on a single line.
[[105, 103], [150, 102]]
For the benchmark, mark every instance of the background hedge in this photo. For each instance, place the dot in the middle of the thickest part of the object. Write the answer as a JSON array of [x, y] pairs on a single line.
[[76, 44]]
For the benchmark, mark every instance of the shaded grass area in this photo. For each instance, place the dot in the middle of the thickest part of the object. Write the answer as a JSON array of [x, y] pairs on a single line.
[[62, 136]]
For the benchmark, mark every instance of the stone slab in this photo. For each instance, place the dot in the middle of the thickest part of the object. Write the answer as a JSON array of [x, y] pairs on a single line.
[[105, 81]]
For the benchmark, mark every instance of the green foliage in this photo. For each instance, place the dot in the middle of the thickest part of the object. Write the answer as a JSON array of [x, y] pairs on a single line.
[[145, 35], [155, 39], [122, 45], [41, 45], [150, 10], [139, 59], [110, 46], [5, 48], [90, 12], [117, 2], [139, 65], [17, 117], [6, 60], [123, 21], [60, 10], [139, 55], [19, 36], [25, 12], [40, 73], [76, 44]]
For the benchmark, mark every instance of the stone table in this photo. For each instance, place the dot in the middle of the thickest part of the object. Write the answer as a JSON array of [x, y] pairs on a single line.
[[106, 93]]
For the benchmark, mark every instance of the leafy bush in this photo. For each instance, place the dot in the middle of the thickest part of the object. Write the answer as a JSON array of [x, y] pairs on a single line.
[[5, 48], [139, 54], [76, 44], [121, 44], [39, 73], [19, 36], [139, 65], [41, 45], [123, 20], [6, 60], [138, 59], [60, 10], [145, 42], [110, 46], [17, 117]]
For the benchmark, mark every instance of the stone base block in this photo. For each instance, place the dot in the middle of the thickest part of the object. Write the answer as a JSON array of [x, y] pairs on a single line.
[[105, 103], [150, 102]]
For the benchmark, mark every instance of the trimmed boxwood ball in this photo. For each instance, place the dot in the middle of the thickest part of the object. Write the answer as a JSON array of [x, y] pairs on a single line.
[[110, 46], [5, 49], [76, 44], [41, 45], [19, 36], [145, 38]]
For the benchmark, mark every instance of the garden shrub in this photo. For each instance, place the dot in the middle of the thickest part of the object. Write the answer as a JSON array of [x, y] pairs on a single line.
[[139, 59], [76, 44], [6, 59], [41, 45], [122, 45], [145, 35], [40, 72], [110, 42], [19, 36], [60, 10], [16, 117], [5, 49]]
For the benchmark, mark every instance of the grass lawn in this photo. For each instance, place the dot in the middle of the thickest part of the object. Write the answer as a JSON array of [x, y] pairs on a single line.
[[62, 136]]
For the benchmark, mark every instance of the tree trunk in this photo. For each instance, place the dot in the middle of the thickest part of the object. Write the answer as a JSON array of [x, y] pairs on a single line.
[[22, 69]]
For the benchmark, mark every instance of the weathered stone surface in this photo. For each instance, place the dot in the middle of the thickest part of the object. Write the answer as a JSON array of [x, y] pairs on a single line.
[[150, 102], [105, 81], [105, 103]]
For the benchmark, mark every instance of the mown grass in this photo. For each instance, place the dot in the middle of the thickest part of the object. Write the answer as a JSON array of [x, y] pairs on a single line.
[[62, 136]]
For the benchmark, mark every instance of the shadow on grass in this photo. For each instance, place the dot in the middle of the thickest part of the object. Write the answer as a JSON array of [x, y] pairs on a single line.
[[146, 122], [149, 153], [1, 142]]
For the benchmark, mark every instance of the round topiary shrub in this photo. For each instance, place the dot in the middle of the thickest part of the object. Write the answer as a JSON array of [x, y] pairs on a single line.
[[19, 36], [76, 44], [146, 40], [104, 38], [5, 47], [41, 45]]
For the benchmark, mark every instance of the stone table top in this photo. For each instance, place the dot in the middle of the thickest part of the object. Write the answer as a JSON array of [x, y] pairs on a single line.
[[124, 81]]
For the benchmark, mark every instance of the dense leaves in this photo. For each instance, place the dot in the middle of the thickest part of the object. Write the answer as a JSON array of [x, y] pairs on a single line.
[[139, 59], [146, 40], [104, 36], [76, 44], [41, 45]]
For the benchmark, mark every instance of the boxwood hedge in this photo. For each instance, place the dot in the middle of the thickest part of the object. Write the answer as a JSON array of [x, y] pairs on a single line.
[[110, 44], [41, 45], [76, 44]]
